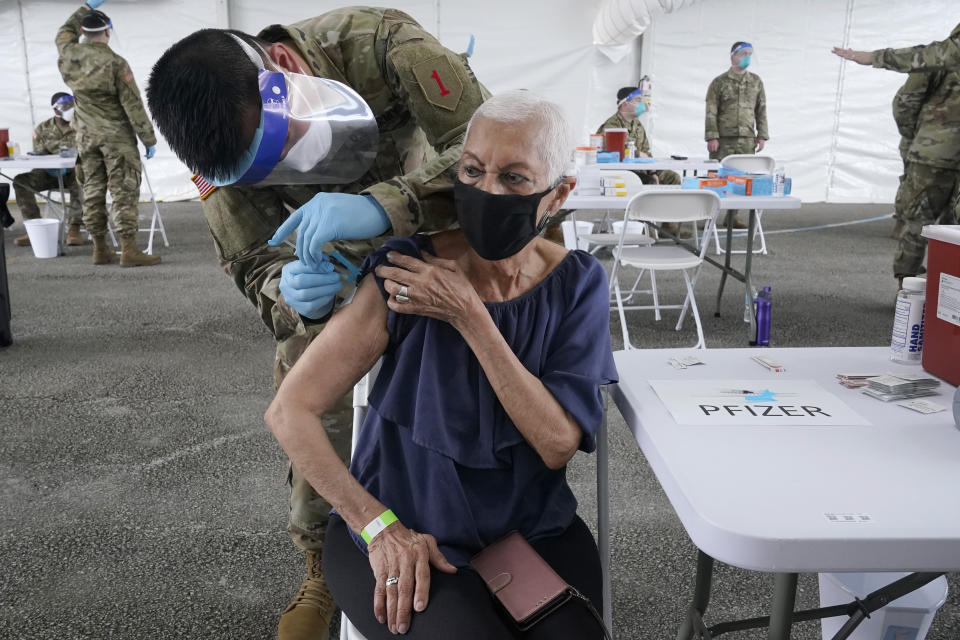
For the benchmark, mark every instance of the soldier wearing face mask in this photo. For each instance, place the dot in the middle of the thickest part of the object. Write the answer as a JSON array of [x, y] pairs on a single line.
[[736, 119], [48, 137]]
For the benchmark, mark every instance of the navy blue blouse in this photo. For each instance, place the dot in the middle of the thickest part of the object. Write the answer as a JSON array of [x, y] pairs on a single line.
[[438, 448]]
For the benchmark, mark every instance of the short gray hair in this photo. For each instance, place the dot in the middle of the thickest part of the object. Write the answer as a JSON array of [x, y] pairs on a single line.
[[518, 106]]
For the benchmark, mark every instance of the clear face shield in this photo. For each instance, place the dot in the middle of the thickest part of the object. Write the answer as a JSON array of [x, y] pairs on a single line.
[[63, 107], [312, 131], [637, 101], [742, 55]]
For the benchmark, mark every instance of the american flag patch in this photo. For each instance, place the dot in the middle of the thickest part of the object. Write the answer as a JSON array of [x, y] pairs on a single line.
[[204, 187]]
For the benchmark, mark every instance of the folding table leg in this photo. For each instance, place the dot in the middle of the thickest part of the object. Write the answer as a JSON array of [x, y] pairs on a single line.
[[603, 514], [701, 595], [784, 598], [747, 283], [726, 263]]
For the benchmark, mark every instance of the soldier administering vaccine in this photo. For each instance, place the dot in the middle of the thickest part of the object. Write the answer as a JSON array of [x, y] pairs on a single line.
[[354, 121], [109, 118], [48, 138]]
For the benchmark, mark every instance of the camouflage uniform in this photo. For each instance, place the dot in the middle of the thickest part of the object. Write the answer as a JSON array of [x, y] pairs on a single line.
[[931, 177], [736, 115], [638, 134], [109, 118], [48, 137], [391, 61]]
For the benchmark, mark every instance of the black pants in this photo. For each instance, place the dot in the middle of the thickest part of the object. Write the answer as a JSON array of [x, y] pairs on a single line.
[[460, 605]]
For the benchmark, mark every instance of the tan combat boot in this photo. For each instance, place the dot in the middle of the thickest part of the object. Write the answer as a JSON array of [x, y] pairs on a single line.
[[308, 616], [130, 256], [102, 251], [22, 241], [74, 239]]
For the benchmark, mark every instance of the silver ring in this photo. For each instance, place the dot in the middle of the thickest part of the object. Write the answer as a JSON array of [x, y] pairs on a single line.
[[403, 295], [392, 581]]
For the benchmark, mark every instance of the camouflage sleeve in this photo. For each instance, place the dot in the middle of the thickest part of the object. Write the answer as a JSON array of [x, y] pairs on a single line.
[[129, 96], [241, 221], [643, 142], [944, 54], [711, 128], [69, 33], [39, 144], [909, 100], [441, 93], [760, 112]]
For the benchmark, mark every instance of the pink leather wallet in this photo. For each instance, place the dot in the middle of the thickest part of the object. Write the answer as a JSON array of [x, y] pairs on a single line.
[[527, 587]]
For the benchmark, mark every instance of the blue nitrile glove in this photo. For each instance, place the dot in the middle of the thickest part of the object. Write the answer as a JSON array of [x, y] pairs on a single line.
[[151, 151], [93, 4], [332, 216], [310, 292]]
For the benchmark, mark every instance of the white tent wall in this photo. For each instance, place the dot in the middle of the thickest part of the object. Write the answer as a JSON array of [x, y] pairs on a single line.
[[544, 47], [831, 127]]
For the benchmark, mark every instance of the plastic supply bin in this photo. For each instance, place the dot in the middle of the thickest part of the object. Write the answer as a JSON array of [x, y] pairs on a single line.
[[43, 234], [571, 238], [906, 618], [941, 333]]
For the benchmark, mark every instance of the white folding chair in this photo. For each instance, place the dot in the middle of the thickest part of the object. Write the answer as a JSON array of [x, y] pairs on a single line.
[[654, 207], [751, 164], [573, 230]]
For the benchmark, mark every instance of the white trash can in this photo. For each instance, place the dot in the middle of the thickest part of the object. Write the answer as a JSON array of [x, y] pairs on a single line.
[[43, 233], [906, 618], [571, 239]]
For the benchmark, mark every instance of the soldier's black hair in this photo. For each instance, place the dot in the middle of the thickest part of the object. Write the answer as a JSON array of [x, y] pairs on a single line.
[[57, 96], [199, 92], [94, 22], [624, 92], [737, 44]]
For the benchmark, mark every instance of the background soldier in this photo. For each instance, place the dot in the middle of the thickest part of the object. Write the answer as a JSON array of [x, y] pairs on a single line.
[[48, 137], [630, 106], [422, 96], [736, 112], [931, 176], [110, 116]]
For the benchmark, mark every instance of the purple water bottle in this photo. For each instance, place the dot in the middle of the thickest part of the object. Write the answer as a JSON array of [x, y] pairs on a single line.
[[764, 301]]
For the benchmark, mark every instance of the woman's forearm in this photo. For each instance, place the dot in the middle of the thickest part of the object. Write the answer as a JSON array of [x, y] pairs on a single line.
[[544, 423], [301, 435]]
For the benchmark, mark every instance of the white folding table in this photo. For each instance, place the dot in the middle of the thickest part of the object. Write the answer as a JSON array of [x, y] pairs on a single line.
[[776, 498], [44, 162], [751, 203], [58, 162]]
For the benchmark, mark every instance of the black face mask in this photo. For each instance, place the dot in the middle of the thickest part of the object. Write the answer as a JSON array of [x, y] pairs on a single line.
[[497, 226]]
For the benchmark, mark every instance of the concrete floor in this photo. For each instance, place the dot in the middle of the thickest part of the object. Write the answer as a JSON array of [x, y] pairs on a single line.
[[143, 498]]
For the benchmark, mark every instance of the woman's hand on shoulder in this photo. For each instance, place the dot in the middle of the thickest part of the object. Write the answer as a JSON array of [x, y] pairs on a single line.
[[403, 557], [435, 287]]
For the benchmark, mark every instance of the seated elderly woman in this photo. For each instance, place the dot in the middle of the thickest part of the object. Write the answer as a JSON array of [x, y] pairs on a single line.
[[495, 343]]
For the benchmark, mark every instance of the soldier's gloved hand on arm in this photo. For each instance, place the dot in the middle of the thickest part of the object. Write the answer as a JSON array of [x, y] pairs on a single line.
[[93, 4], [328, 217], [310, 291], [151, 151]]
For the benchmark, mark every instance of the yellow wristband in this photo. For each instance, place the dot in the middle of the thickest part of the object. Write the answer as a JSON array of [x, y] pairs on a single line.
[[378, 524]]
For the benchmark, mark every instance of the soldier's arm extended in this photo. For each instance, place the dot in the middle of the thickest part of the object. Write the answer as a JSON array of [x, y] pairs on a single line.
[[441, 93], [711, 128], [760, 112], [241, 220], [69, 33], [129, 96], [944, 54]]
